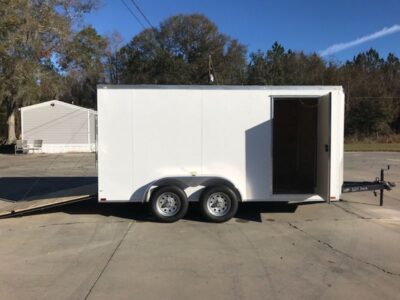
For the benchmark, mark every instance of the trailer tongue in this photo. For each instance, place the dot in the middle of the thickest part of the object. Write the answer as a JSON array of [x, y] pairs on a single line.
[[364, 186]]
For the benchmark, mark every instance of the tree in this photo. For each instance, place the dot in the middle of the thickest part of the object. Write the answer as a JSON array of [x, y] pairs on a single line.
[[83, 59], [257, 71], [33, 34], [46, 54], [391, 75], [268, 67], [178, 52], [369, 108], [113, 61], [279, 67], [371, 84]]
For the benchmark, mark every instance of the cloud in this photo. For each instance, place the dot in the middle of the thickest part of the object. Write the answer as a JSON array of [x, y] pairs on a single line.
[[376, 35]]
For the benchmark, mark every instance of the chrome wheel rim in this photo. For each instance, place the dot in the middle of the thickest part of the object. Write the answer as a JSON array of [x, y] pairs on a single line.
[[219, 204], [168, 204]]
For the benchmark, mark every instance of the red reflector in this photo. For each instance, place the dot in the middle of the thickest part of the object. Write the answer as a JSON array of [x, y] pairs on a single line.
[[333, 197], [103, 199]]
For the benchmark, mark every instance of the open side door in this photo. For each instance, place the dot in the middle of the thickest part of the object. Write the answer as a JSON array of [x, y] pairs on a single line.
[[324, 147]]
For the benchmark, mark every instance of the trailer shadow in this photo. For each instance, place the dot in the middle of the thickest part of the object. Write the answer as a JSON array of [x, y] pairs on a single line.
[[360, 202], [253, 211], [248, 212], [16, 189], [258, 159]]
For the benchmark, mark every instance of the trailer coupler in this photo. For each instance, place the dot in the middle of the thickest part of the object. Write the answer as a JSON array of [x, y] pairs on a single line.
[[364, 186]]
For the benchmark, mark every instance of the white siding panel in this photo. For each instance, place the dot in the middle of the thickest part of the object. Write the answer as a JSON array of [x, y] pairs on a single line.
[[93, 128], [56, 124], [236, 145], [166, 132], [115, 127]]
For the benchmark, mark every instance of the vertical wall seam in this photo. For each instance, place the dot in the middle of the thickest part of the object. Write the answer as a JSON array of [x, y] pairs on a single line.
[[88, 128], [202, 132], [22, 124], [132, 124]]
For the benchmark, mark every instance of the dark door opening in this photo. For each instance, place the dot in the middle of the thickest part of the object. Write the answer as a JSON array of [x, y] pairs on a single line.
[[295, 145]]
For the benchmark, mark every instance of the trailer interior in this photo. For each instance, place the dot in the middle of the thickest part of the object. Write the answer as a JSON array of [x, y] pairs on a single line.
[[295, 141]]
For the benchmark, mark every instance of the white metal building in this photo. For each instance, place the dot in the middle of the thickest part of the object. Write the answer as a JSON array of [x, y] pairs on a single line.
[[63, 127]]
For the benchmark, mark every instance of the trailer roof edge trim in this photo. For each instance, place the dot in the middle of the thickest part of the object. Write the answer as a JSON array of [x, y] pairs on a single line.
[[223, 87]]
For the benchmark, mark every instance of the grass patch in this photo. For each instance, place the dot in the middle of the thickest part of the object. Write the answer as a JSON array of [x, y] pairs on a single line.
[[392, 147]]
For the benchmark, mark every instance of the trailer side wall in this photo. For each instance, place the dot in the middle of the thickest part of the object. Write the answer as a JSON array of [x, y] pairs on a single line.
[[149, 133]]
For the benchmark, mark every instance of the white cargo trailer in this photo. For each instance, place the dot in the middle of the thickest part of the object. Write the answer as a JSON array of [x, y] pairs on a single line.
[[219, 145]]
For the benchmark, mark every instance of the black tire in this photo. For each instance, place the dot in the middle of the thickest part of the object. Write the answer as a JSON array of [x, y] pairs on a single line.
[[171, 194], [216, 213]]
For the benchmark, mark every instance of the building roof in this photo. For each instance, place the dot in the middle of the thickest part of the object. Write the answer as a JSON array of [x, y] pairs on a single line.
[[58, 102]]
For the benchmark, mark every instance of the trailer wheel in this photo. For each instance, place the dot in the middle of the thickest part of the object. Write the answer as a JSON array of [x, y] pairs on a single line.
[[169, 204], [219, 204]]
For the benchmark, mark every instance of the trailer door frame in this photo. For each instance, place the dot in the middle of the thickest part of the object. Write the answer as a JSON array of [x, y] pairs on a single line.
[[324, 144]]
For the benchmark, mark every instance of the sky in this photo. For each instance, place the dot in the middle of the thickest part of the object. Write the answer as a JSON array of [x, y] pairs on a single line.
[[337, 29]]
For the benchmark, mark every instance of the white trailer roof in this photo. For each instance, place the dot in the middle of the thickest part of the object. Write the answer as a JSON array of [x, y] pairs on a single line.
[[223, 87]]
